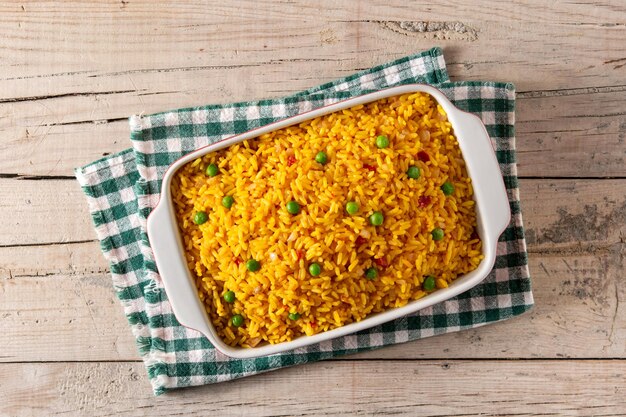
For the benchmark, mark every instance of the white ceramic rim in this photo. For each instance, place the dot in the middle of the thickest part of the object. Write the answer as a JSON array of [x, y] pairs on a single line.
[[492, 207]]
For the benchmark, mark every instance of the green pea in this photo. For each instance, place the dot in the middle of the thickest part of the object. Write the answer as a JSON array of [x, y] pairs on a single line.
[[294, 316], [212, 170], [228, 201], [315, 269], [377, 218], [321, 158], [447, 188], [253, 265], [382, 141], [237, 320], [437, 233], [371, 273], [429, 283], [229, 297], [352, 207], [200, 217], [413, 172], [293, 207]]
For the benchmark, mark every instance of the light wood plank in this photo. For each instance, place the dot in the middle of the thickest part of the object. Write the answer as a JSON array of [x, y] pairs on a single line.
[[579, 133], [578, 314], [575, 232], [573, 215], [62, 258], [406, 388], [88, 40], [70, 73], [76, 316], [60, 110], [43, 211], [559, 214]]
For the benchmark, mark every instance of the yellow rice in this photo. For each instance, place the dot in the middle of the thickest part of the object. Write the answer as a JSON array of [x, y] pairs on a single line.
[[265, 173]]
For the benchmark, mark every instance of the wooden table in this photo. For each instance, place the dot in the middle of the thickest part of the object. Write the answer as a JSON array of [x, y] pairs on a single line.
[[70, 75]]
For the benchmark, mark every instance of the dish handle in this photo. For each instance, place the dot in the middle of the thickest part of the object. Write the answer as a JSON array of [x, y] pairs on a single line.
[[167, 247], [484, 170]]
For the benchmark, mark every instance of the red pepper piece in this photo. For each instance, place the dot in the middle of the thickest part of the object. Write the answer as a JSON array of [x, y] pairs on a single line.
[[237, 260], [369, 167], [382, 262], [291, 160], [360, 240], [424, 200], [423, 156]]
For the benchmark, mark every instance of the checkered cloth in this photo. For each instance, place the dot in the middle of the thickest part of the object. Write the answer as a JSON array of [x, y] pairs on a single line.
[[122, 189]]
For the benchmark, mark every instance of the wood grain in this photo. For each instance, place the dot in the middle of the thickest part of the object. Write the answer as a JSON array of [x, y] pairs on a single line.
[[79, 312], [404, 388], [573, 215], [59, 111], [44, 211], [560, 214], [578, 314], [575, 233], [50, 259], [579, 133], [542, 46], [575, 133], [72, 72]]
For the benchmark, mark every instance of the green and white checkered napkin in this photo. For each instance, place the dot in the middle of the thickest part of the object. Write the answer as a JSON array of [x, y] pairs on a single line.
[[122, 189]]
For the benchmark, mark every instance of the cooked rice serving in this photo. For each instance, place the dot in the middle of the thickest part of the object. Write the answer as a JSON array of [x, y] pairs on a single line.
[[283, 300]]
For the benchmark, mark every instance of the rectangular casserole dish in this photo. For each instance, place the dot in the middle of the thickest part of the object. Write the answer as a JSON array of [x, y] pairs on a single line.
[[492, 210]]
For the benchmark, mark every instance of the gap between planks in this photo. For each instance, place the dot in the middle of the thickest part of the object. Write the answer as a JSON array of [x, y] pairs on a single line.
[[349, 359], [520, 94]]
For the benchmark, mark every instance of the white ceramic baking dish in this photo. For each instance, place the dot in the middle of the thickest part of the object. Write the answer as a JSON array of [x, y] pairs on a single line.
[[492, 206]]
